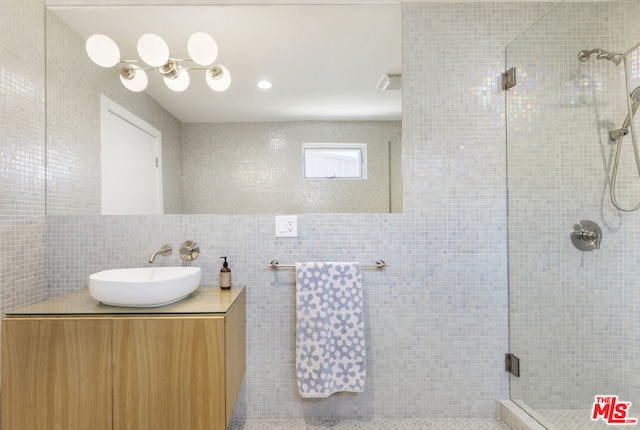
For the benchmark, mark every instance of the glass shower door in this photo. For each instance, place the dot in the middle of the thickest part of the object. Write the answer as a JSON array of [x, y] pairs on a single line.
[[574, 321]]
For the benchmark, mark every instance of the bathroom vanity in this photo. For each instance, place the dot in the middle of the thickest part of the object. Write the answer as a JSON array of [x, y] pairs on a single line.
[[75, 364]]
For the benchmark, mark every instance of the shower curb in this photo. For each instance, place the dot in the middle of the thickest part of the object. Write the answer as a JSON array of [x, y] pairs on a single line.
[[516, 418]]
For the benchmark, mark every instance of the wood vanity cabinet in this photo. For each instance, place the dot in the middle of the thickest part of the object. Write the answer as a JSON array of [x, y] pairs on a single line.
[[136, 372], [56, 373]]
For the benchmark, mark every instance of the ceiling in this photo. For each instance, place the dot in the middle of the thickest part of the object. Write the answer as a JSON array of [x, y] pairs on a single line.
[[324, 61]]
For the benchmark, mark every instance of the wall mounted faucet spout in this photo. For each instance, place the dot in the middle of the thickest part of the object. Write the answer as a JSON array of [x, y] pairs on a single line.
[[165, 250]]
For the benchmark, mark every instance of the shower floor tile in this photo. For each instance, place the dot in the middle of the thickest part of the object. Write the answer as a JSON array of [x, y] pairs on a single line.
[[376, 424], [571, 419]]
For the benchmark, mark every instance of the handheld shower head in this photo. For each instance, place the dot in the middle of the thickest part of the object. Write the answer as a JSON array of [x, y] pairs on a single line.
[[635, 95], [615, 135], [635, 102]]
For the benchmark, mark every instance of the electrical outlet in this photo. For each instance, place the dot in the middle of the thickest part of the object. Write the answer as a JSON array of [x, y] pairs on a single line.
[[286, 226]]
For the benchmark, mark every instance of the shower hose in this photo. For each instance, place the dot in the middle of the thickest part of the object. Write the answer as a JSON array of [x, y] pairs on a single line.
[[620, 138]]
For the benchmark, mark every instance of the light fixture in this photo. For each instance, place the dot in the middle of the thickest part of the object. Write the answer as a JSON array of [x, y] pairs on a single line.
[[202, 48], [179, 81], [264, 84], [103, 50], [155, 55], [218, 78], [133, 78], [153, 50]]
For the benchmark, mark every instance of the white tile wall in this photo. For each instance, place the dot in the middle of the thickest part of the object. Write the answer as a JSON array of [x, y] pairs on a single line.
[[437, 317], [22, 202], [243, 168]]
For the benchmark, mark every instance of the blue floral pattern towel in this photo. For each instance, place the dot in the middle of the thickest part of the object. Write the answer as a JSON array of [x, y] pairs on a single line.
[[330, 343]]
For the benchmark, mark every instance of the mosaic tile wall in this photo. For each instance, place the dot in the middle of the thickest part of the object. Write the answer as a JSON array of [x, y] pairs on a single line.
[[573, 313], [396, 186], [22, 131], [437, 316], [239, 168]]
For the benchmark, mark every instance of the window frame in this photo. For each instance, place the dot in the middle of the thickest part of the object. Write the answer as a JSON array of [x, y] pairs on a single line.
[[362, 147]]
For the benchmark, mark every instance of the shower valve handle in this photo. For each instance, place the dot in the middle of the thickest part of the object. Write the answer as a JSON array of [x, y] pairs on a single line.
[[590, 236], [586, 235]]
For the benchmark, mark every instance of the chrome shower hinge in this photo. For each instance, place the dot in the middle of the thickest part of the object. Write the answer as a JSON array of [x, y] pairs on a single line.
[[512, 364], [509, 79]]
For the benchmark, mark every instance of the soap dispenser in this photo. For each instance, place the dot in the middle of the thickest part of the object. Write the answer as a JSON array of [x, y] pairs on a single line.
[[225, 275]]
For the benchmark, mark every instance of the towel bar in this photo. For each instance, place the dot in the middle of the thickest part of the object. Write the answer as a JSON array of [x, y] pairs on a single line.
[[274, 265]]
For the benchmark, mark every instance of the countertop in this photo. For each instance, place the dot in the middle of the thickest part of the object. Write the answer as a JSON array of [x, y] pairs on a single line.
[[204, 300]]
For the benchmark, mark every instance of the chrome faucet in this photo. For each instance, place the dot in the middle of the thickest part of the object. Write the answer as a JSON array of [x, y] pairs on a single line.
[[165, 250], [590, 236], [586, 235], [189, 250]]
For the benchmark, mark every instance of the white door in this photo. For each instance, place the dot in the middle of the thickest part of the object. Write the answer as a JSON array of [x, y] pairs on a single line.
[[130, 161]]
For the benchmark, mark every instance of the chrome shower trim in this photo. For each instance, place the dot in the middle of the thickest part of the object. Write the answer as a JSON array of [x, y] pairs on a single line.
[[601, 54], [165, 251], [586, 235], [614, 135], [632, 101]]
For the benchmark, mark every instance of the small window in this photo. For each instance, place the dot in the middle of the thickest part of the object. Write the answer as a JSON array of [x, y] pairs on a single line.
[[335, 160]]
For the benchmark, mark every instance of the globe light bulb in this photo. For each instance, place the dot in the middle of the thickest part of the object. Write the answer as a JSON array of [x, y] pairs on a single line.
[[102, 50], [134, 78], [202, 48], [218, 78], [178, 83], [153, 50]]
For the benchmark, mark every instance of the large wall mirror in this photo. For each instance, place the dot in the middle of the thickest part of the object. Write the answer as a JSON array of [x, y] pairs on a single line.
[[237, 151]]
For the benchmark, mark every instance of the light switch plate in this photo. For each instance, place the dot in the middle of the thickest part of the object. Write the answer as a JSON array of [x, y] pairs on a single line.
[[286, 226]]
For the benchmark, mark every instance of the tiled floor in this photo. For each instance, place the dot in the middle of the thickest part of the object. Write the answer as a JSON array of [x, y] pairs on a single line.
[[376, 424], [570, 419]]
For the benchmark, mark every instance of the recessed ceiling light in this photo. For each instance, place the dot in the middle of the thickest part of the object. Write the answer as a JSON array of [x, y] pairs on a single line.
[[264, 85]]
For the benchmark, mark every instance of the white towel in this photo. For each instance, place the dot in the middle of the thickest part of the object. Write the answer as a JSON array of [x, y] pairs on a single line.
[[330, 342]]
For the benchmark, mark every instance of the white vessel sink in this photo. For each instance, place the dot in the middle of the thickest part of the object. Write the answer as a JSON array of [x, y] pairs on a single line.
[[145, 286]]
